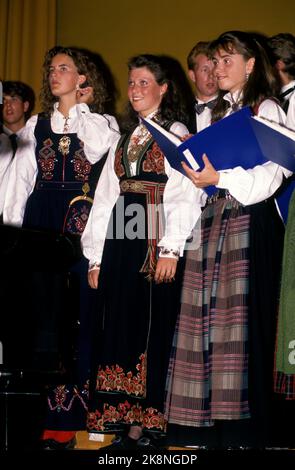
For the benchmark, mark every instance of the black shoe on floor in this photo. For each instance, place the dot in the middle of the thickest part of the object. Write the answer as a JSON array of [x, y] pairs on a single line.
[[51, 444], [121, 443], [151, 443]]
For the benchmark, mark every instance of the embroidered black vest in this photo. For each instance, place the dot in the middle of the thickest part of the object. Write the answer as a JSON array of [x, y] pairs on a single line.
[[64, 176], [149, 180], [150, 164]]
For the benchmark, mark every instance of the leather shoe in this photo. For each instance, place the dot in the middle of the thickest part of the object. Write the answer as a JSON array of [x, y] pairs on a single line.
[[51, 444], [151, 442], [121, 443]]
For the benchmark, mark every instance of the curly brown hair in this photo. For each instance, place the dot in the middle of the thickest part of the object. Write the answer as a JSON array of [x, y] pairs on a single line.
[[85, 66]]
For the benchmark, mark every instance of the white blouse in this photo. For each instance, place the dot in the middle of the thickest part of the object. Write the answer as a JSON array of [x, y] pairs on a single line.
[[97, 131], [256, 184], [182, 203]]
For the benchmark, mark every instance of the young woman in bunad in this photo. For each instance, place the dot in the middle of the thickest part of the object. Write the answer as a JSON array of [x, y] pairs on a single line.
[[221, 369], [134, 262], [50, 188]]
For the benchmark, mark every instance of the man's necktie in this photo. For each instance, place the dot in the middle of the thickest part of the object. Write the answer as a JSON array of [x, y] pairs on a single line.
[[200, 107], [285, 102], [13, 141]]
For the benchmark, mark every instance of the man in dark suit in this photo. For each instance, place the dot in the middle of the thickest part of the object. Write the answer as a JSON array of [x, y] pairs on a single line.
[[201, 72]]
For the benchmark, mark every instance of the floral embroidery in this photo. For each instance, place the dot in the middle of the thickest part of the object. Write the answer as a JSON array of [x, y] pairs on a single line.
[[154, 161], [119, 168], [47, 159], [82, 166], [153, 419], [94, 421], [115, 379], [76, 218], [63, 398], [125, 413]]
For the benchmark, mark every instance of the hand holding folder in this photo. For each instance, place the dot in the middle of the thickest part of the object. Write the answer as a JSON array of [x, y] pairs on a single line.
[[240, 139], [203, 179]]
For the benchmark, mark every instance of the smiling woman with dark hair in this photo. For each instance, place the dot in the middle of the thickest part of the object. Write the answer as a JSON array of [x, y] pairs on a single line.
[[136, 267]]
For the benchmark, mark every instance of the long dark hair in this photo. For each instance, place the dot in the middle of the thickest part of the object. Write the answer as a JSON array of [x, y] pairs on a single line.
[[85, 66], [261, 83], [172, 107]]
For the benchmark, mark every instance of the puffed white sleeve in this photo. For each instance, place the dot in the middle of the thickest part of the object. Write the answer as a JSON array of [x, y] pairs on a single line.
[[259, 183], [98, 132], [106, 195], [182, 203], [22, 176]]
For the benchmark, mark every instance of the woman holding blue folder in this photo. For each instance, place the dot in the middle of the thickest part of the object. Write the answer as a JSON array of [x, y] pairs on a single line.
[[220, 378]]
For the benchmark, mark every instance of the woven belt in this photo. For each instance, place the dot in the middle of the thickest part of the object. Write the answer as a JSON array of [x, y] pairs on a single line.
[[153, 192], [220, 194]]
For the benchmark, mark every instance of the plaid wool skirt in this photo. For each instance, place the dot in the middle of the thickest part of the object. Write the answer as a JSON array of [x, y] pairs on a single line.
[[207, 377]]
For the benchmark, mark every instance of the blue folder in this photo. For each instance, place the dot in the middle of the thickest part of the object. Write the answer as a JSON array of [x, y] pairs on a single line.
[[237, 140], [222, 143]]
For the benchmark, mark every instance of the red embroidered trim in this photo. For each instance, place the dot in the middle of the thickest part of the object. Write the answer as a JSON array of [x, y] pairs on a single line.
[[149, 418], [82, 166], [47, 159], [154, 161], [119, 168], [115, 379]]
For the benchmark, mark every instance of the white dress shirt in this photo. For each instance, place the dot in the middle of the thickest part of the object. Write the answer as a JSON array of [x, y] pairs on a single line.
[[98, 133], [259, 183], [6, 154], [203, 120], [5, 161], [181, 200]]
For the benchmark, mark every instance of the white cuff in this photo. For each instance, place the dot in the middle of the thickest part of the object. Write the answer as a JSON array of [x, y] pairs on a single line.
[[93, 266], [223, 180], [168, 253]]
